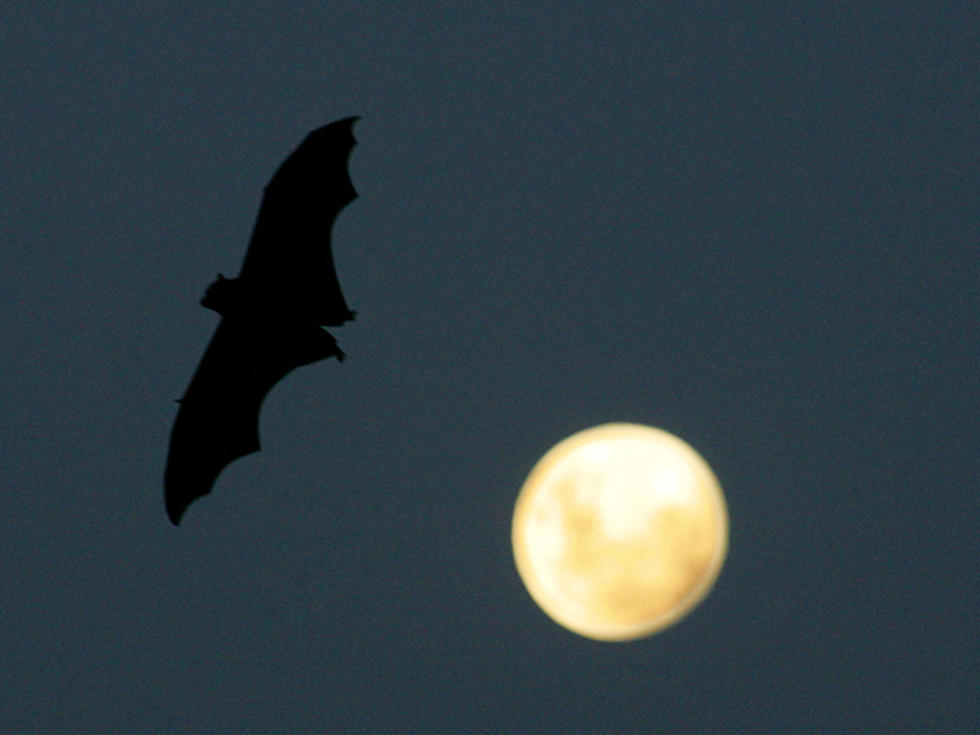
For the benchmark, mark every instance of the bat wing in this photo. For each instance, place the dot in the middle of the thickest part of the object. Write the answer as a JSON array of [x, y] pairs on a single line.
[[218, 419], [289, 259]]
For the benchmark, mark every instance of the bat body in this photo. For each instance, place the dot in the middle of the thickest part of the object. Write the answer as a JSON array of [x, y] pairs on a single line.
[[271, 316]]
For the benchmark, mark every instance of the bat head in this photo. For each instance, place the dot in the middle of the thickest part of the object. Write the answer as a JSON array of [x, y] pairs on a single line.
[[222, 295]]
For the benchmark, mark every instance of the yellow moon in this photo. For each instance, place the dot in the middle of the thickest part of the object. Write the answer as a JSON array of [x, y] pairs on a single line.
[[619, 531]]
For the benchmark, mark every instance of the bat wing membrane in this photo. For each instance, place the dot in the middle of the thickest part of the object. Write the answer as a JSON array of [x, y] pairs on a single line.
[[289, 257], [218, 419]]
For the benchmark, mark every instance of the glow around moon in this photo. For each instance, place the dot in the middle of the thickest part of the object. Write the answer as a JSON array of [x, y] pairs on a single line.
[[619, 531]]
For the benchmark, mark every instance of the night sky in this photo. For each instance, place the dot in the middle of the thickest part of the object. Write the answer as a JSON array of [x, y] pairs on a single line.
[[753, 225]]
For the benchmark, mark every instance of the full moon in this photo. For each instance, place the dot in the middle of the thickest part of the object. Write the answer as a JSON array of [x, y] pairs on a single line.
[[619, 531]]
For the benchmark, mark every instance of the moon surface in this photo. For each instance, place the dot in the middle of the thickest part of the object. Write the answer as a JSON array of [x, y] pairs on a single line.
[[619, 531]]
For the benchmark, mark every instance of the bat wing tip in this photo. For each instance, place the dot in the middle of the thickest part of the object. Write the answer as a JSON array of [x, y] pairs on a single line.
[[336, 132], [175, 511]]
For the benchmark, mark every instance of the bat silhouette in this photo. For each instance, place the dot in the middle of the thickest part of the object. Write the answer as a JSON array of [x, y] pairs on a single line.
[[271, 315]]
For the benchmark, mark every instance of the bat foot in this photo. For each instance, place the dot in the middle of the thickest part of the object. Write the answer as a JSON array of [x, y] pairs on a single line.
[[315, 345]]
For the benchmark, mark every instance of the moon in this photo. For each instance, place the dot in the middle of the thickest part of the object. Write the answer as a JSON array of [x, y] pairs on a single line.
[[619, 531]]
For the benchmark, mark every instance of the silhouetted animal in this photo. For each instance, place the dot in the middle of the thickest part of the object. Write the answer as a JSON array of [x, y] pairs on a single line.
[[271, 315]]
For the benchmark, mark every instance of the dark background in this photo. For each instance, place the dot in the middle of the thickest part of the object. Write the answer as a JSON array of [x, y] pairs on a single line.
[[755, 227]]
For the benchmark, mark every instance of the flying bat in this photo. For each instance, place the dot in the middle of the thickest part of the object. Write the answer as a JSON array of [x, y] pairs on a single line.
[[271, 315]]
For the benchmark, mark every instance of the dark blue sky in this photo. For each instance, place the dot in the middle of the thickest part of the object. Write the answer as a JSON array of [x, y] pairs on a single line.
[[754, 227]]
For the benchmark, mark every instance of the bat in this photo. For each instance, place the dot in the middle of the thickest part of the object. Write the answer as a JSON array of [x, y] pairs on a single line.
[[271, 316]]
